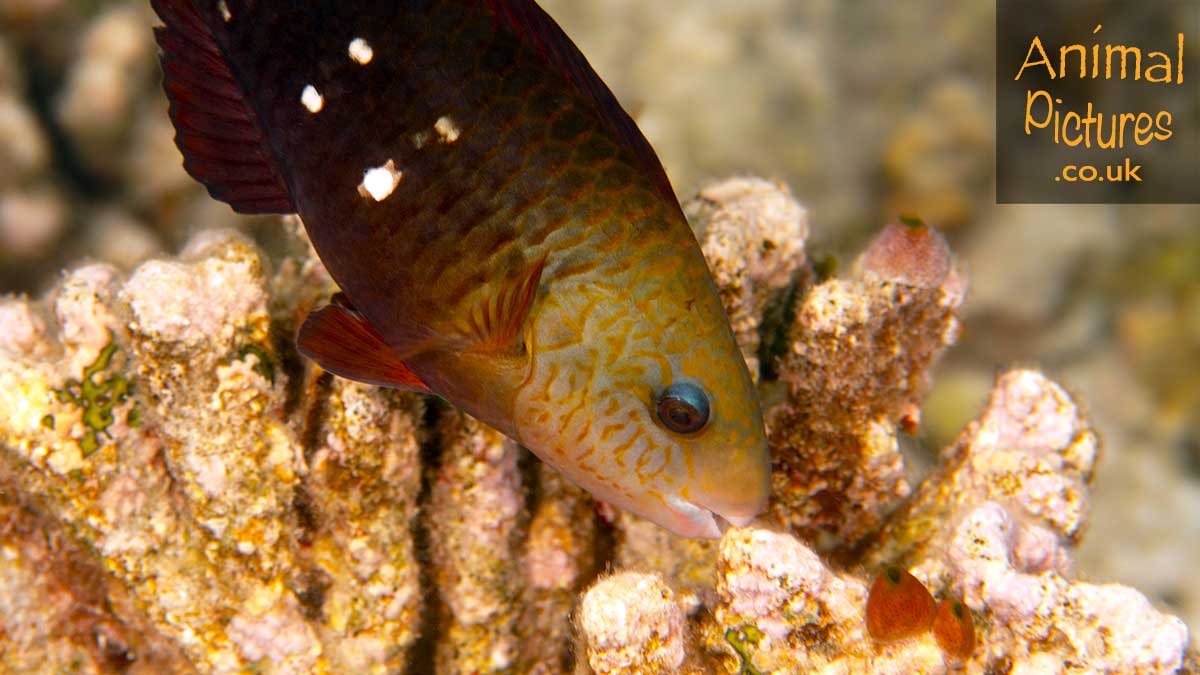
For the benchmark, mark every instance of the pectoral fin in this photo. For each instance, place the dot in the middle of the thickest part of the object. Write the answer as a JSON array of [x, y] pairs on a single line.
[[341, 341], [494, 325]]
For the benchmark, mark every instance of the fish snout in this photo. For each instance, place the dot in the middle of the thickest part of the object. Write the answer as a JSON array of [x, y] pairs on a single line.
[[739, 491], [689, 520], [708, 520], [740, 512], [735, 496]]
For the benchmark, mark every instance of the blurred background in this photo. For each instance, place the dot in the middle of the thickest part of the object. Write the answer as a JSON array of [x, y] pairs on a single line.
[[866, 109]]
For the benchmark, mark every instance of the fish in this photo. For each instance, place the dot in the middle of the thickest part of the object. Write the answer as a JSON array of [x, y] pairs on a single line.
[[501, 233]]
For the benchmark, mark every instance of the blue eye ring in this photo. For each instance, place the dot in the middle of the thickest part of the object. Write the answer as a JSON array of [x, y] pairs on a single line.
[[683, 408]]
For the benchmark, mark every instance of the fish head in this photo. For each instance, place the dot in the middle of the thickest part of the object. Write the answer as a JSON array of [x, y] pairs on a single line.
[[639, 393]]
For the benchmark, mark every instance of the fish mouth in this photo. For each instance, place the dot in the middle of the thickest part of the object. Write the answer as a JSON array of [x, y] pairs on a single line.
[[703, 523], [693, 521]]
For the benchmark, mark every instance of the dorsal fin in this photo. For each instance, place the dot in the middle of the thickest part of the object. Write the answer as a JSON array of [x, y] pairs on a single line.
[[344, 343], [216, 129], [531, 23]]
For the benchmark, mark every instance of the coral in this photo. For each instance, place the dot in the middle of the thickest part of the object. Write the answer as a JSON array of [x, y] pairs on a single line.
[[216, 504], [1157, 328], [59, 612], [856, 370], [88, 166], [1009, 503], [121, 239], [30, 221], [772, 85], [1012, 282], [22, 331], [233, 524], [1032, 450], [32, 213], [475, 507], [559, 558], [632, 624], [1114, 628], [111, 68], [777, 589], [809, 618], [752, 233], [1102, 296], [357, 578]]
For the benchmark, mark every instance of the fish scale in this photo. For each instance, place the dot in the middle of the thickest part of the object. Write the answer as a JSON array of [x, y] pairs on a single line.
[[503, 235]]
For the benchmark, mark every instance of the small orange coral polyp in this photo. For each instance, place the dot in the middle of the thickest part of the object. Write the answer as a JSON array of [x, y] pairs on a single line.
[[898, 606], [954, 629]]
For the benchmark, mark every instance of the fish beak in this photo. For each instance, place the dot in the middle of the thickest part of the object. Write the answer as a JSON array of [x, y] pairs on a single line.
[[740, 520], [693, 521], [738, 514], [738, 491]]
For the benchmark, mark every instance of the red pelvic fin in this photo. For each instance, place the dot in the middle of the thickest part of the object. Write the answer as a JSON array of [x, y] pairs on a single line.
[[342, 342], [217, 130]]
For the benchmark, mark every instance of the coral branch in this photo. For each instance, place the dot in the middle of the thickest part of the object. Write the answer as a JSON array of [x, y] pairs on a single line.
[[861, 349], [180, 492]]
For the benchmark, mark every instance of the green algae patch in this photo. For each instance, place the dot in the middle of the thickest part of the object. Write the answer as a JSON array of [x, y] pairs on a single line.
[[96, 394], [826, 268], [265, 365], [741, 640]]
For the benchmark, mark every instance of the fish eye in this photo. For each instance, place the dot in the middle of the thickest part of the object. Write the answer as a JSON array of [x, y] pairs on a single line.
[[683, 408]]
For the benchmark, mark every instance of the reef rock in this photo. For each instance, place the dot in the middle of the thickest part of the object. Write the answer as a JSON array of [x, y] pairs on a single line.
[[182, 492]]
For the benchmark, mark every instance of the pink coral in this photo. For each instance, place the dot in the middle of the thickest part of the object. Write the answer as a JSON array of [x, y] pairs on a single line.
[[632, 625]]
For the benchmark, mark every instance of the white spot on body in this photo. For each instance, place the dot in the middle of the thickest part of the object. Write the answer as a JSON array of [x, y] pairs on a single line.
[[224, 10], [379, 182], [361, 51], [312, 99], [447, 129]]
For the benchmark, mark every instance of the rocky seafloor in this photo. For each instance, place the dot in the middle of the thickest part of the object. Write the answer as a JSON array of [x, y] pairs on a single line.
[[181, 492]]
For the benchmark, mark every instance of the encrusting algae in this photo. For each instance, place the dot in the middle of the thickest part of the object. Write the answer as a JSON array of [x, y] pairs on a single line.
[[307, 524], [96, 399]]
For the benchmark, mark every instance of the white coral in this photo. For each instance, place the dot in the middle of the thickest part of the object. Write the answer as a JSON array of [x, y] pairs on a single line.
[[632, 624]]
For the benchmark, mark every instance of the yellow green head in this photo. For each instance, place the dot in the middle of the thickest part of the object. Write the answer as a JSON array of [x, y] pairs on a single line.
[[638, 392]]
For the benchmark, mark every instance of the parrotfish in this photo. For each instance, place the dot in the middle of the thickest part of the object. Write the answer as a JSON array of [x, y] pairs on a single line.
[[501, 233]]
